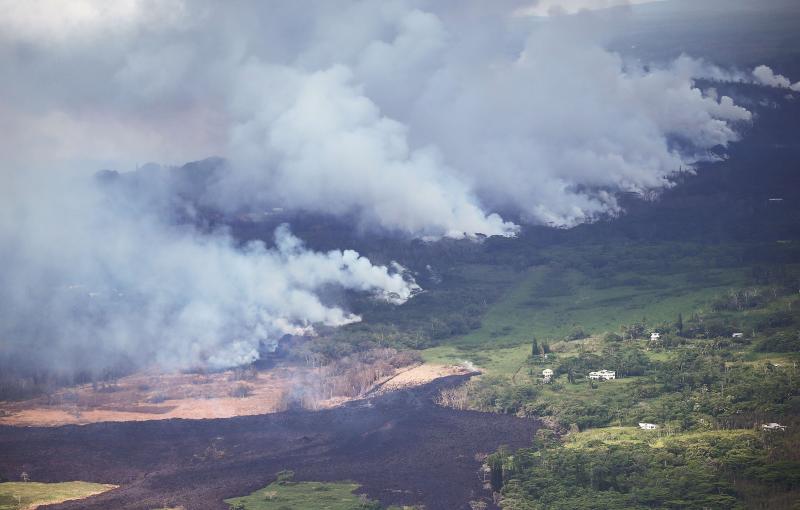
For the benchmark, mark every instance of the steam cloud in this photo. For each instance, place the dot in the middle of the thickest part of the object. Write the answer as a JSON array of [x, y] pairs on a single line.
[[766, 76], [92, 281], [424, 120], [412, 116], [544, 8]]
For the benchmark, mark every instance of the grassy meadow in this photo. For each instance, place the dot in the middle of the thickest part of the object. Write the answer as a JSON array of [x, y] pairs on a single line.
[[301, 495], [590, 290], [305, 496], [27, 495]]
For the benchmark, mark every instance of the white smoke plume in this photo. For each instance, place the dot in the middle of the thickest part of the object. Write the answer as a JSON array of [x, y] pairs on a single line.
[[87, 281], [766, 76], [415, 118], [409, 115], [545, 8], [318, 143]]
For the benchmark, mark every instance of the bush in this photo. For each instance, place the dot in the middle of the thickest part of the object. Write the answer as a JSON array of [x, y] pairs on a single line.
[[635, 330], [779, 319], [781, 342], [284, 476], [577, 333], [717, 328], [580, 365], [499, 395]]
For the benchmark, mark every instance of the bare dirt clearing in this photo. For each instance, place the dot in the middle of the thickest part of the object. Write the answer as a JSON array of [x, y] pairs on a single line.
[[157, 396]]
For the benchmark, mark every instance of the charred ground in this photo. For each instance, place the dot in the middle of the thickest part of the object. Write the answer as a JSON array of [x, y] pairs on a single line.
[[401, 448]]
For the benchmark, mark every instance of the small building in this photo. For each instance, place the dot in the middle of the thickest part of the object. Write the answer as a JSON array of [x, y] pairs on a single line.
[[647, 426], [547, 375], [603, 375], [737, 335], [655, 337], [773, 426]]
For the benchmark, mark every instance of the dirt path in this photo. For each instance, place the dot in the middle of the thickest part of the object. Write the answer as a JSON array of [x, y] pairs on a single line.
[[514, 377]]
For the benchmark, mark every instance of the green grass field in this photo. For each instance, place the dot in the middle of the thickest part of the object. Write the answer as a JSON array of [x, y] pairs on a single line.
[[495, 361], [301, 496], [585, 305], [26, 495], [552, 300], [659, 438], [610, 435], [548, 302]]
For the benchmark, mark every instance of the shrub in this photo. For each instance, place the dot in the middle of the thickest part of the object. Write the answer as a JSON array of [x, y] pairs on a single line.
[[779, 319], [577, 333], [284, 476], [783, 341]]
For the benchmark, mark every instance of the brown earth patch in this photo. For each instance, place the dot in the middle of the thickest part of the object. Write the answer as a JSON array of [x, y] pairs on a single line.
[[158, 396], [418, 375]]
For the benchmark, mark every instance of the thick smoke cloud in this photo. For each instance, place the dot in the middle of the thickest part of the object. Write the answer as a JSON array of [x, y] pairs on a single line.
[[766, 76], [545, 8], [409, 115], [88, 281], [323, 145]]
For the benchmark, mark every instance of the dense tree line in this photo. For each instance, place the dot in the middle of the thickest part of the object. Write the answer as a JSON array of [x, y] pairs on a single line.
[[696, 472]]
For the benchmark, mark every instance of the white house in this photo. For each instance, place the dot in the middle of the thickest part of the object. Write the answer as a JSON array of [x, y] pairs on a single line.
[[647, 426], [654, 337], [547, 375], [773, 426], [737, 335], [603, 375]]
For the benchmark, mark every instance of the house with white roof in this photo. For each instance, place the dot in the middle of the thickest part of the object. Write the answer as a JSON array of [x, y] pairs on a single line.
[[603, 375]]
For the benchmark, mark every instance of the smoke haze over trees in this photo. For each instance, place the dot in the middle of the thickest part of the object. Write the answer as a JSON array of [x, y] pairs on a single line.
[[417, 118]]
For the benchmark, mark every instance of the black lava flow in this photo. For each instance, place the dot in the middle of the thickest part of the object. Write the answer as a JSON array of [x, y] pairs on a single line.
[[400, 447]]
